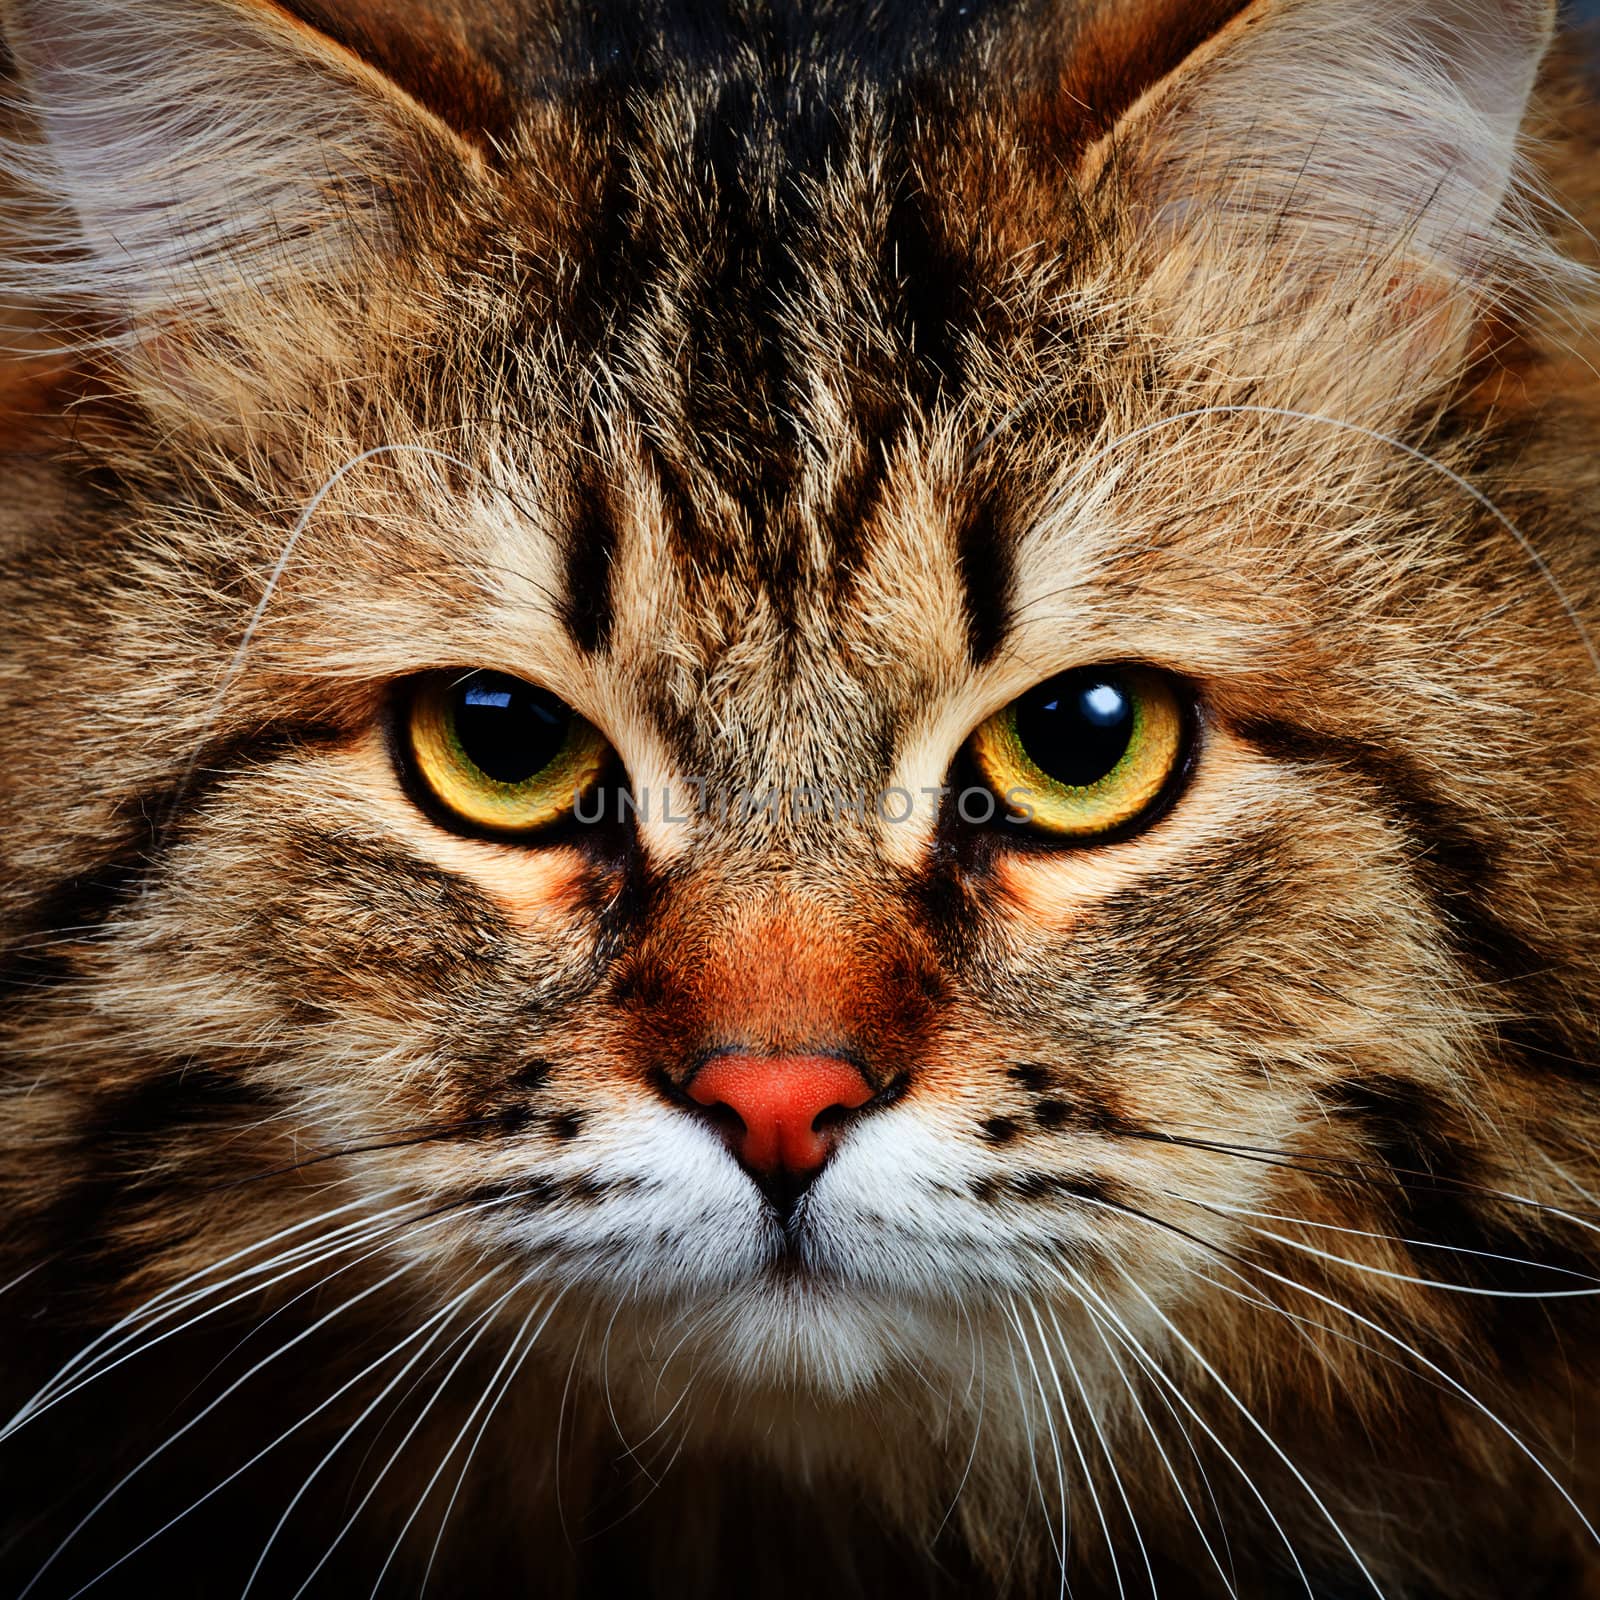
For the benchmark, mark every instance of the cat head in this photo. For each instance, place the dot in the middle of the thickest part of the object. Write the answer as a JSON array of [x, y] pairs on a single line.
[[823, 702]]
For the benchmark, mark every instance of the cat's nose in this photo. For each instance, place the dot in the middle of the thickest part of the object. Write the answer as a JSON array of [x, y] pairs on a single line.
[[780, 1114]]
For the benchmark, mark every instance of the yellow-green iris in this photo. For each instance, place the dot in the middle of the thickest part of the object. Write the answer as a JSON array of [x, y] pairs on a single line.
[[1087, 753], [501, 754]]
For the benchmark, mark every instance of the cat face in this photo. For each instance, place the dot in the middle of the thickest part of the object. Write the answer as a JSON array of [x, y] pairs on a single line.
[[818, 736]]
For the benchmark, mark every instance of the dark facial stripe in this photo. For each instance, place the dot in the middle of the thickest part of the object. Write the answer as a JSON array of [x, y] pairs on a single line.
[[590, 547], [114, 1143], [1435, 1197], [1455, 867], [78, 906], [986, 565]]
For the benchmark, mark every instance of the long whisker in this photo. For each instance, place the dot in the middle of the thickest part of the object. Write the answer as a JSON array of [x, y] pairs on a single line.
[[1064, 1546], [285, 554], [1357, 1169], [173, 1438], [147, 1312], [1064, 1346], [302, 1258], [443, 1317], [441, 1214], [1383, 1333], [1111, 1319], [1218, 1208], [472, 1449], [1366, 1322], [1250, 1417], [1166, 1461], [981, 1376], [526, 1342], [473, 1332], [1077, 1449]]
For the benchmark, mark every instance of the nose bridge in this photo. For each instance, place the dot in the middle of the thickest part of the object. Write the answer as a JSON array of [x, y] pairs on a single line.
[[778, 969], [778, 976]]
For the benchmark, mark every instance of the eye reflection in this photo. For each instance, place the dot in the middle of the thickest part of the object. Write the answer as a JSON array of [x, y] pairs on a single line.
[[1091, 751], [500, 754]]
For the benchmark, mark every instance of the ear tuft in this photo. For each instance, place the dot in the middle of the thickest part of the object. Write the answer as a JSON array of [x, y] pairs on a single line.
[[1313, 141], [189, 150]]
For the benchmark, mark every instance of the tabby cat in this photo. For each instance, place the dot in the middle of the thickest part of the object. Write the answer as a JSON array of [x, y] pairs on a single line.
[[799, 799]]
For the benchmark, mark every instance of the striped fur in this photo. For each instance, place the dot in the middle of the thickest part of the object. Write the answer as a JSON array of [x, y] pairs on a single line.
[[789, 389]]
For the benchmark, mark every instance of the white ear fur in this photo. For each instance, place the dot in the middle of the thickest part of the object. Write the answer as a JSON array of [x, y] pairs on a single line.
[[190, 149], [1341, 124]]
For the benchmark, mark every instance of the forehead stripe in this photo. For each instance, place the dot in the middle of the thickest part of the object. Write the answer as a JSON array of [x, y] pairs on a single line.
[[588, 547], [986, 564]]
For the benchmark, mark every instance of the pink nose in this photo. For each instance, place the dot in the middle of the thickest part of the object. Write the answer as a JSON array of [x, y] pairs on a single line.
[[783, 1104]]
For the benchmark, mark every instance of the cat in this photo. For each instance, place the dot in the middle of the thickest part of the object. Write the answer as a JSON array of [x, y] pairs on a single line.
[[799, 799]]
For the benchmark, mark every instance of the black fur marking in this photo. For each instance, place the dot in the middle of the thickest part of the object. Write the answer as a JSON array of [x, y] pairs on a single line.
[[116, 1139], [984, 562], [1438, 1199], [589, 548], [76, 909], [933, 300], [1031, 1075], [1045, 1186], [1000, 1130], [529, 1192], [177, 1097], [566, 1125], [1455, 867], [1053, 1113], [532, 1074], [1055, 1185]]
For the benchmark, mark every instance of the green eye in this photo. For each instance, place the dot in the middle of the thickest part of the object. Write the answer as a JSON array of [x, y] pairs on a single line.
[[1088, 752], [501, 754]]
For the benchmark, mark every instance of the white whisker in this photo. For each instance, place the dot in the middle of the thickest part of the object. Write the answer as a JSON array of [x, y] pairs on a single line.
[[1104, 1312], [506, 1360], [471, 1334], [1077, 1448]]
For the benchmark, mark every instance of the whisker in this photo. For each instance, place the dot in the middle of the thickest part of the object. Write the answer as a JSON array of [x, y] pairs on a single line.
[[1383, 1333], [472, 1449], [472, 1333], [313, 1255], [173, 1438], [1357, 1169], [981, 1375], [1063, 1547], [455, 1444], [443, 1317], [1077, 1450], [1218, 1208], [280, 566], [440, 1214], [1250, 1417], [1064, 1345], [1166, 1461], [1119, 1328], [141, 1315]]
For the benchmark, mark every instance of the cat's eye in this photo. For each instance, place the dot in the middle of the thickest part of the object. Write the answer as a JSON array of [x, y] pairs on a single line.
[[499, 754], [1088, 753]]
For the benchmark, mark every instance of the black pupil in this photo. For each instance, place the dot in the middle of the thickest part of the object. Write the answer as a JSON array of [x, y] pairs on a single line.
[[510, 730], [1076, 728]]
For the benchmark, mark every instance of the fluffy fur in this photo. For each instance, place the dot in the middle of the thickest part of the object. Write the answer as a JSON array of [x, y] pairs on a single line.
[[789, 390]]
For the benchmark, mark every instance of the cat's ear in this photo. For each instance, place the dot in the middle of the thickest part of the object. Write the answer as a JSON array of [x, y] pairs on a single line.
[[179, 156], [1371, 144]]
